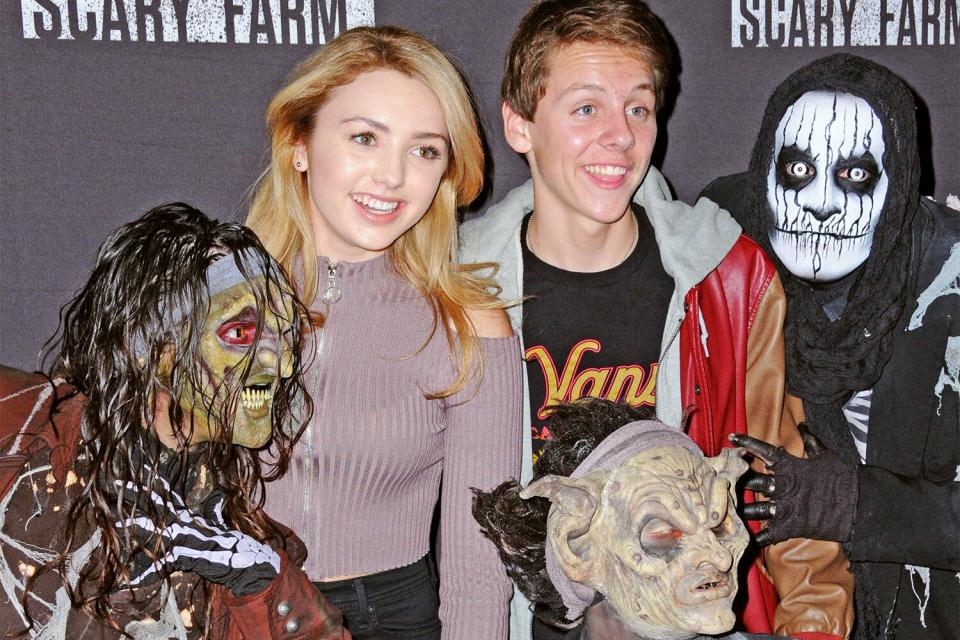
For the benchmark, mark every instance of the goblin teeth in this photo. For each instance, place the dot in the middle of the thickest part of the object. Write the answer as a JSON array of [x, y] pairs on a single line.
[[254, 399]]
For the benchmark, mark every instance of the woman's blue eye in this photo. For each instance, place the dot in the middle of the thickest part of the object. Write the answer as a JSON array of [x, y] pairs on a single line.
[[586, 110]]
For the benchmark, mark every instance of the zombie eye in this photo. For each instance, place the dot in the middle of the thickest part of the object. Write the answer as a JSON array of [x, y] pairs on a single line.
[[238, 334], [795, 167], [725, 528], [799, 170], [858, 175], [660, 539], [855, 174]]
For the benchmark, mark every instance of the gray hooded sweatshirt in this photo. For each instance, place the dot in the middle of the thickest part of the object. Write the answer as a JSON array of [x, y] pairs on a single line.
[[692, 241]]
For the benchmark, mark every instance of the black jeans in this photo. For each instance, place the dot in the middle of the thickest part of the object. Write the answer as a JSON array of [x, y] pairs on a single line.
[[398, 604]]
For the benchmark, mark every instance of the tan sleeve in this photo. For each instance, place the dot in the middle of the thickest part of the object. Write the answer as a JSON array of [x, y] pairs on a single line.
[[811, 576]]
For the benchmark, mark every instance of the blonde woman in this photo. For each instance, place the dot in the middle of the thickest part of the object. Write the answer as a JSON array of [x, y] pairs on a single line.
[[415, 372]]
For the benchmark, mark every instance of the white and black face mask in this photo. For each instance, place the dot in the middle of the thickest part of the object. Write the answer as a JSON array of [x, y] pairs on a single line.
[[826, 185]]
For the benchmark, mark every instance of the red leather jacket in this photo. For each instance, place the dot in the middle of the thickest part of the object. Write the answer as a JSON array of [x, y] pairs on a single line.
[[732, 380]]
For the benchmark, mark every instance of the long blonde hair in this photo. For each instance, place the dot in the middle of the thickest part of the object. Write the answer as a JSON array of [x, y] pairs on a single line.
[[425, 254]]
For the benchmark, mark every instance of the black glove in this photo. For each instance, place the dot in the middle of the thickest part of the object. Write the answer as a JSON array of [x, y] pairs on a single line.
[[813, 497], [197, 541]]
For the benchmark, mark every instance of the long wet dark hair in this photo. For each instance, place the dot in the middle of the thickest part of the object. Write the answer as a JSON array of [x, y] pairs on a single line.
[[518, 527], [132, 332]]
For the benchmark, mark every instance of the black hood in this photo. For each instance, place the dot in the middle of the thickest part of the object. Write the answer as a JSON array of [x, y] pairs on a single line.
[[826, 360]]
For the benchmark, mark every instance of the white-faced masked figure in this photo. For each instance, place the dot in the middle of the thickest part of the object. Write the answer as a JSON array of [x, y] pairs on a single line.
[[831, 195], [826, 185], [871, 270]]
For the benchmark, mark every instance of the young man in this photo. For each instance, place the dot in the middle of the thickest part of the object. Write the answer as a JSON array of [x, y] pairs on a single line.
[[652, 302]]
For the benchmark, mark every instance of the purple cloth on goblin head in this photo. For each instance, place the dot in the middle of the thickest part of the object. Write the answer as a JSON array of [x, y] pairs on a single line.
[[614, 450]]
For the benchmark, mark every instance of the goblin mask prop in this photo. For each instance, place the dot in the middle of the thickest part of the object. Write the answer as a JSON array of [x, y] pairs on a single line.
[[826, 185], [650, 524], [243, 355]]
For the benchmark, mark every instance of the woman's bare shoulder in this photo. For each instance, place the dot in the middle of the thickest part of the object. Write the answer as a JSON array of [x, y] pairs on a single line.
[[490, 323]]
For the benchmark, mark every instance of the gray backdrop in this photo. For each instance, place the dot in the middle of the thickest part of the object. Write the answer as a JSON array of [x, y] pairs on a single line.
[[164, 100]]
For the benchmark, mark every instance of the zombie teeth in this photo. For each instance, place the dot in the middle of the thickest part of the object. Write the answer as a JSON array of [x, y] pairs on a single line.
[[253, 399], [373, 203], [605, 170]]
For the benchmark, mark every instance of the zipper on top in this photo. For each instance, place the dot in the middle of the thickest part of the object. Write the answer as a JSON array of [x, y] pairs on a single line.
[[661, 361], [332, 292], [331, 295]]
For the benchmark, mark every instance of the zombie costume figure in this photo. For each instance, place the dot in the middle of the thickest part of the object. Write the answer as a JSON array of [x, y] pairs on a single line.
[[872, 275], [129, 476], [626, 532]]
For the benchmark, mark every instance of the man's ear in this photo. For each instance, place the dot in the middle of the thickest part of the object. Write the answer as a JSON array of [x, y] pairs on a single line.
[[729, 465], [575, 503], [516, 129]]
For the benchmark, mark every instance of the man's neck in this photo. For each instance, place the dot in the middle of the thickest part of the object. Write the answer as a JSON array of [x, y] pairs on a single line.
[[581, 245]]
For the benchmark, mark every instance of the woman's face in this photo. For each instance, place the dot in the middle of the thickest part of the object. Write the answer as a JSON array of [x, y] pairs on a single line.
[[373, 162]]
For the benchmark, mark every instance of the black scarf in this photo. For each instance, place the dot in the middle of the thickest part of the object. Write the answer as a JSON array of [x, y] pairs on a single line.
[[826, 361]]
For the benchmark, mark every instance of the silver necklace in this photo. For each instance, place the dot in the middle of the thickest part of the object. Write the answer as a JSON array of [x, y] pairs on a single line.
[[633, 244]]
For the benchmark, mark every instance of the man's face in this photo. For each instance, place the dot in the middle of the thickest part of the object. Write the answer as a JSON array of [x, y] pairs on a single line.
[[668, 541], [227, 342], [590, 143], [826, 185]]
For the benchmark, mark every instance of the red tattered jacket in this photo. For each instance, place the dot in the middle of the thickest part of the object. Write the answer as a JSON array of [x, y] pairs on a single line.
[[37, 452]]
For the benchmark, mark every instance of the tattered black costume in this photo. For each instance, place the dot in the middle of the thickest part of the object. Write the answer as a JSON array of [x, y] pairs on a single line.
[[898, 332]]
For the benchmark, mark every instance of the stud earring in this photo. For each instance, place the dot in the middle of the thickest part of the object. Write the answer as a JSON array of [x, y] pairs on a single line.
[[299, 165]]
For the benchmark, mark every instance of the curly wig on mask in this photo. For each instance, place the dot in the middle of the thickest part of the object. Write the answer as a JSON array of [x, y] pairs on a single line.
[[131, 335], [518, 527]]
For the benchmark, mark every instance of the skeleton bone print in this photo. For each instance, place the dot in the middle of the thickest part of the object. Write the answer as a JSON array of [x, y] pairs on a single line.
[[32, 514], [826, 185], [27, 543]]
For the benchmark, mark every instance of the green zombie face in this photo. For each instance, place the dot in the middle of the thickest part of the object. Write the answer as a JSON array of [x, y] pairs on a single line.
[[228, 345]]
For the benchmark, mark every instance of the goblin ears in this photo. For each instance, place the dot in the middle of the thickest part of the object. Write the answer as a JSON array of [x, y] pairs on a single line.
[[575, 500]]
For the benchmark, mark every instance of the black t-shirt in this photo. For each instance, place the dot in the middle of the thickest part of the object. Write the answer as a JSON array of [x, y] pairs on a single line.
[[593, 334]]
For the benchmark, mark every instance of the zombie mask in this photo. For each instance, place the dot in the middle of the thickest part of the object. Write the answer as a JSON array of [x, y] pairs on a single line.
[[237, 335], [655, 532], [826, 185]]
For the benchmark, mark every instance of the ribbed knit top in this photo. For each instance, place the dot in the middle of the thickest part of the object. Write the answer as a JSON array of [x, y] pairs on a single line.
[[366, 476]]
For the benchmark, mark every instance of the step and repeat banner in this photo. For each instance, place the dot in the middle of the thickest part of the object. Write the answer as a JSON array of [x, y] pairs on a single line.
[[109, 107]]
